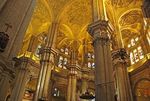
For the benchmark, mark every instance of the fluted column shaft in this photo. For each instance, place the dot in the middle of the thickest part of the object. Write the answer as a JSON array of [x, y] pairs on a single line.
[[104, 83], [21, 79], [45, 68], [120, 60]]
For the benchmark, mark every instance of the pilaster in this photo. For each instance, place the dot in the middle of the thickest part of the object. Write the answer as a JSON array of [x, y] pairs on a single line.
[[120, 61]]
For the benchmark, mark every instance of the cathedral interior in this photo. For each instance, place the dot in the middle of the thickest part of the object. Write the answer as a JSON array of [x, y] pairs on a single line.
[[74, 50]]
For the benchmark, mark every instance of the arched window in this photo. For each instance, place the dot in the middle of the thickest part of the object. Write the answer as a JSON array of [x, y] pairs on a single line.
[[135, 50]]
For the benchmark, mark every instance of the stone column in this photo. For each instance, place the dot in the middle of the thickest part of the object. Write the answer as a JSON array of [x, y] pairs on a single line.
[[72, 82], [45, 68], [22, 76], [104, 84], [15, 13], [4, 84], [120, 60]]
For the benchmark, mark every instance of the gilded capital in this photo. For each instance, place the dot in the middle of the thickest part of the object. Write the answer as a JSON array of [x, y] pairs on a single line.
[[120, 56]]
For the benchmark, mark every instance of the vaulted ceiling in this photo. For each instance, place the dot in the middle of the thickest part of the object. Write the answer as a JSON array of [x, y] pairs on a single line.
[[75, 15]]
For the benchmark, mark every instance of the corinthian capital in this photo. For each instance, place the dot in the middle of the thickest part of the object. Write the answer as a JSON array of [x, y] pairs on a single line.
[[120, 56]]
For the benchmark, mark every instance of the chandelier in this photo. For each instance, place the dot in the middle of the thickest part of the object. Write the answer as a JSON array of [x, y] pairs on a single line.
[[87, 96]]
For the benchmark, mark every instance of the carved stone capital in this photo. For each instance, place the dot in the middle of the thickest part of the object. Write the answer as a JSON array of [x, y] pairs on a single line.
[[100, 31], [120, 56]]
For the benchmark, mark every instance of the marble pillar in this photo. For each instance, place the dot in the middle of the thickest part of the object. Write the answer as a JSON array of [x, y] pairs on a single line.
[[4, 84], [120, 61], [42, 88], [72, 83], [104, 83], [22, 76]]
